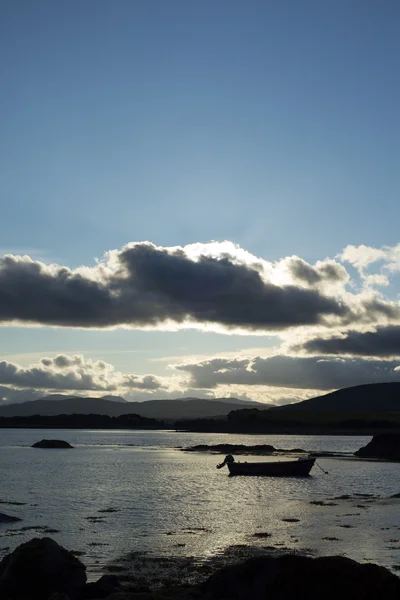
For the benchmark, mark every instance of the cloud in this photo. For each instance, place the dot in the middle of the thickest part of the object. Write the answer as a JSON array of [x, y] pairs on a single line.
[[142, 285], [9, 395], [74, 373], [383, 342], [323, 272], [316, 373], [362, 256]]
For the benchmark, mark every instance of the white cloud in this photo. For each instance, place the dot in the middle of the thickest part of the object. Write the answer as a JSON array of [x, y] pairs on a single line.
[[361, 257]]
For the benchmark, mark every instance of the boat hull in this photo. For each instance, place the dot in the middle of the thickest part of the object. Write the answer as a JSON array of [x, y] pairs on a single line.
[[292, 468]]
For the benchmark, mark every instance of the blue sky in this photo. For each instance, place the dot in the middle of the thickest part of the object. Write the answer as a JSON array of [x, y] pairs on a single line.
[[274, 125]]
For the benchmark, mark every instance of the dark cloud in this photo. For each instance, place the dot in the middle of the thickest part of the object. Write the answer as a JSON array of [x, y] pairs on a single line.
[[35, 377], [9, 395], [385, 341], [329, 271], [289, 371], [148, 382], [146, 286]]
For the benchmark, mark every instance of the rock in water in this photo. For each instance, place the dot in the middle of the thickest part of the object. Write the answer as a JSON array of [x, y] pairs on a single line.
[[104, 587], [51, 444], [302, 578], [39, 568], [8, 518], [383, 445]]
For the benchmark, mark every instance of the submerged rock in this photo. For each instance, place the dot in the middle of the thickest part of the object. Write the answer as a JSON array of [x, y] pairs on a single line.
[[103, 588], [51, 444], [8, 518], [383, 445], [39, 568], [303, 578]]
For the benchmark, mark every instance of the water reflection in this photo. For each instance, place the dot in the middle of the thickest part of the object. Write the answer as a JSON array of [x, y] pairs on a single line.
[[107, 498]]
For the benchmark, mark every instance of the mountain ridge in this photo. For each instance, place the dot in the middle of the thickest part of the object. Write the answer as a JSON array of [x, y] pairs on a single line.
[[160, 409], [365, 397]]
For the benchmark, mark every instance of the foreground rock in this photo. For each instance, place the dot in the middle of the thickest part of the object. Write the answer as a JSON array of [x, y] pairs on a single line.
[[8, 518], [383, 445], [302, 578], [43, 570], [51, 444], [39, 568]]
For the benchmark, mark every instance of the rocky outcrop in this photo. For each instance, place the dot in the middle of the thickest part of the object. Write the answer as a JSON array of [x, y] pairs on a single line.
[[39, 568], [103, 588], [302, 578], [383, 445], [8, 518], [51, 444], [233, 449], [43, 570]]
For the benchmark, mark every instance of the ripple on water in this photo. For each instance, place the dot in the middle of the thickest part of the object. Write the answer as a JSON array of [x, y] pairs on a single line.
[[132, 491]]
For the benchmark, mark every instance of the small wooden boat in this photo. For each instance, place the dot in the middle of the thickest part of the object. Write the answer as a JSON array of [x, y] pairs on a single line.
[[284, 468]]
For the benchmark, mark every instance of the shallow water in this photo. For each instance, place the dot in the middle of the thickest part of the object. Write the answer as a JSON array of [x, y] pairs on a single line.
[[167, 501]]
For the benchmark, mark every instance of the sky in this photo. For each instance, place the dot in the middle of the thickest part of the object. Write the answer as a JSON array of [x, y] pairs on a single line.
[[198, 198]]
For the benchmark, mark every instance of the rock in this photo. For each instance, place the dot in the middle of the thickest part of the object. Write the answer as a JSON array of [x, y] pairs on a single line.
[[8, 518], [104, 587], [260, 449], [51, 444], [302, 578], [383, 445], [38, 569]]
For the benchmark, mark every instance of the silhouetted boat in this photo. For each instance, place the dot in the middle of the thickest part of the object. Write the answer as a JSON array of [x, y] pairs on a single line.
[[283, 468]]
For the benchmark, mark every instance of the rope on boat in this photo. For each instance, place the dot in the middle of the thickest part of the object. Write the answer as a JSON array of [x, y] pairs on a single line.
[[323, 470]]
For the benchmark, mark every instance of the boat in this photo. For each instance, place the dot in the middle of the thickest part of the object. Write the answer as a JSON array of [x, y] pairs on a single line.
[[283, 468]]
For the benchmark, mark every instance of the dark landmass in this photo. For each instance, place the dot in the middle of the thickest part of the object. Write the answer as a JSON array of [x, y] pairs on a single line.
[[382, 446], [171, 410], [60, 444], [296, 421], [372, 397], [78, 421], [364, 410], [41, 569], [238, 421]]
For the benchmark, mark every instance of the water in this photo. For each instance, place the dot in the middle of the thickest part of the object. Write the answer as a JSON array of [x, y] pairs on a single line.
[[160, 499]]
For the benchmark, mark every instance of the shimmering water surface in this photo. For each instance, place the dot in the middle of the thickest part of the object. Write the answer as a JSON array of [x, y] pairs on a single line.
[[163, 500]]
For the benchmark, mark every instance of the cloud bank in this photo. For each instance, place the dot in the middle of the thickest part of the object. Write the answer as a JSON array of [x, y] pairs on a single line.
[[315, 373], [74, 373], [337, 327], [198, 285], [383, 342]]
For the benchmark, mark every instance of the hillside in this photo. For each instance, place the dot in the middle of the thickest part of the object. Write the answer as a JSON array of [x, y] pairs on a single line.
[[186, 408], [360, 398]]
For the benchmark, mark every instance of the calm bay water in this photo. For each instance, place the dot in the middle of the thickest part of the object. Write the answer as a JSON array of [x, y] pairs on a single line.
[[167, 501]]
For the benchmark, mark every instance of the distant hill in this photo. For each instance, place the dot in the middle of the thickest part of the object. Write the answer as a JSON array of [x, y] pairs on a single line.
[[69, 396], [369, 397], [115, 398], [56, 397], [185, 408]]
